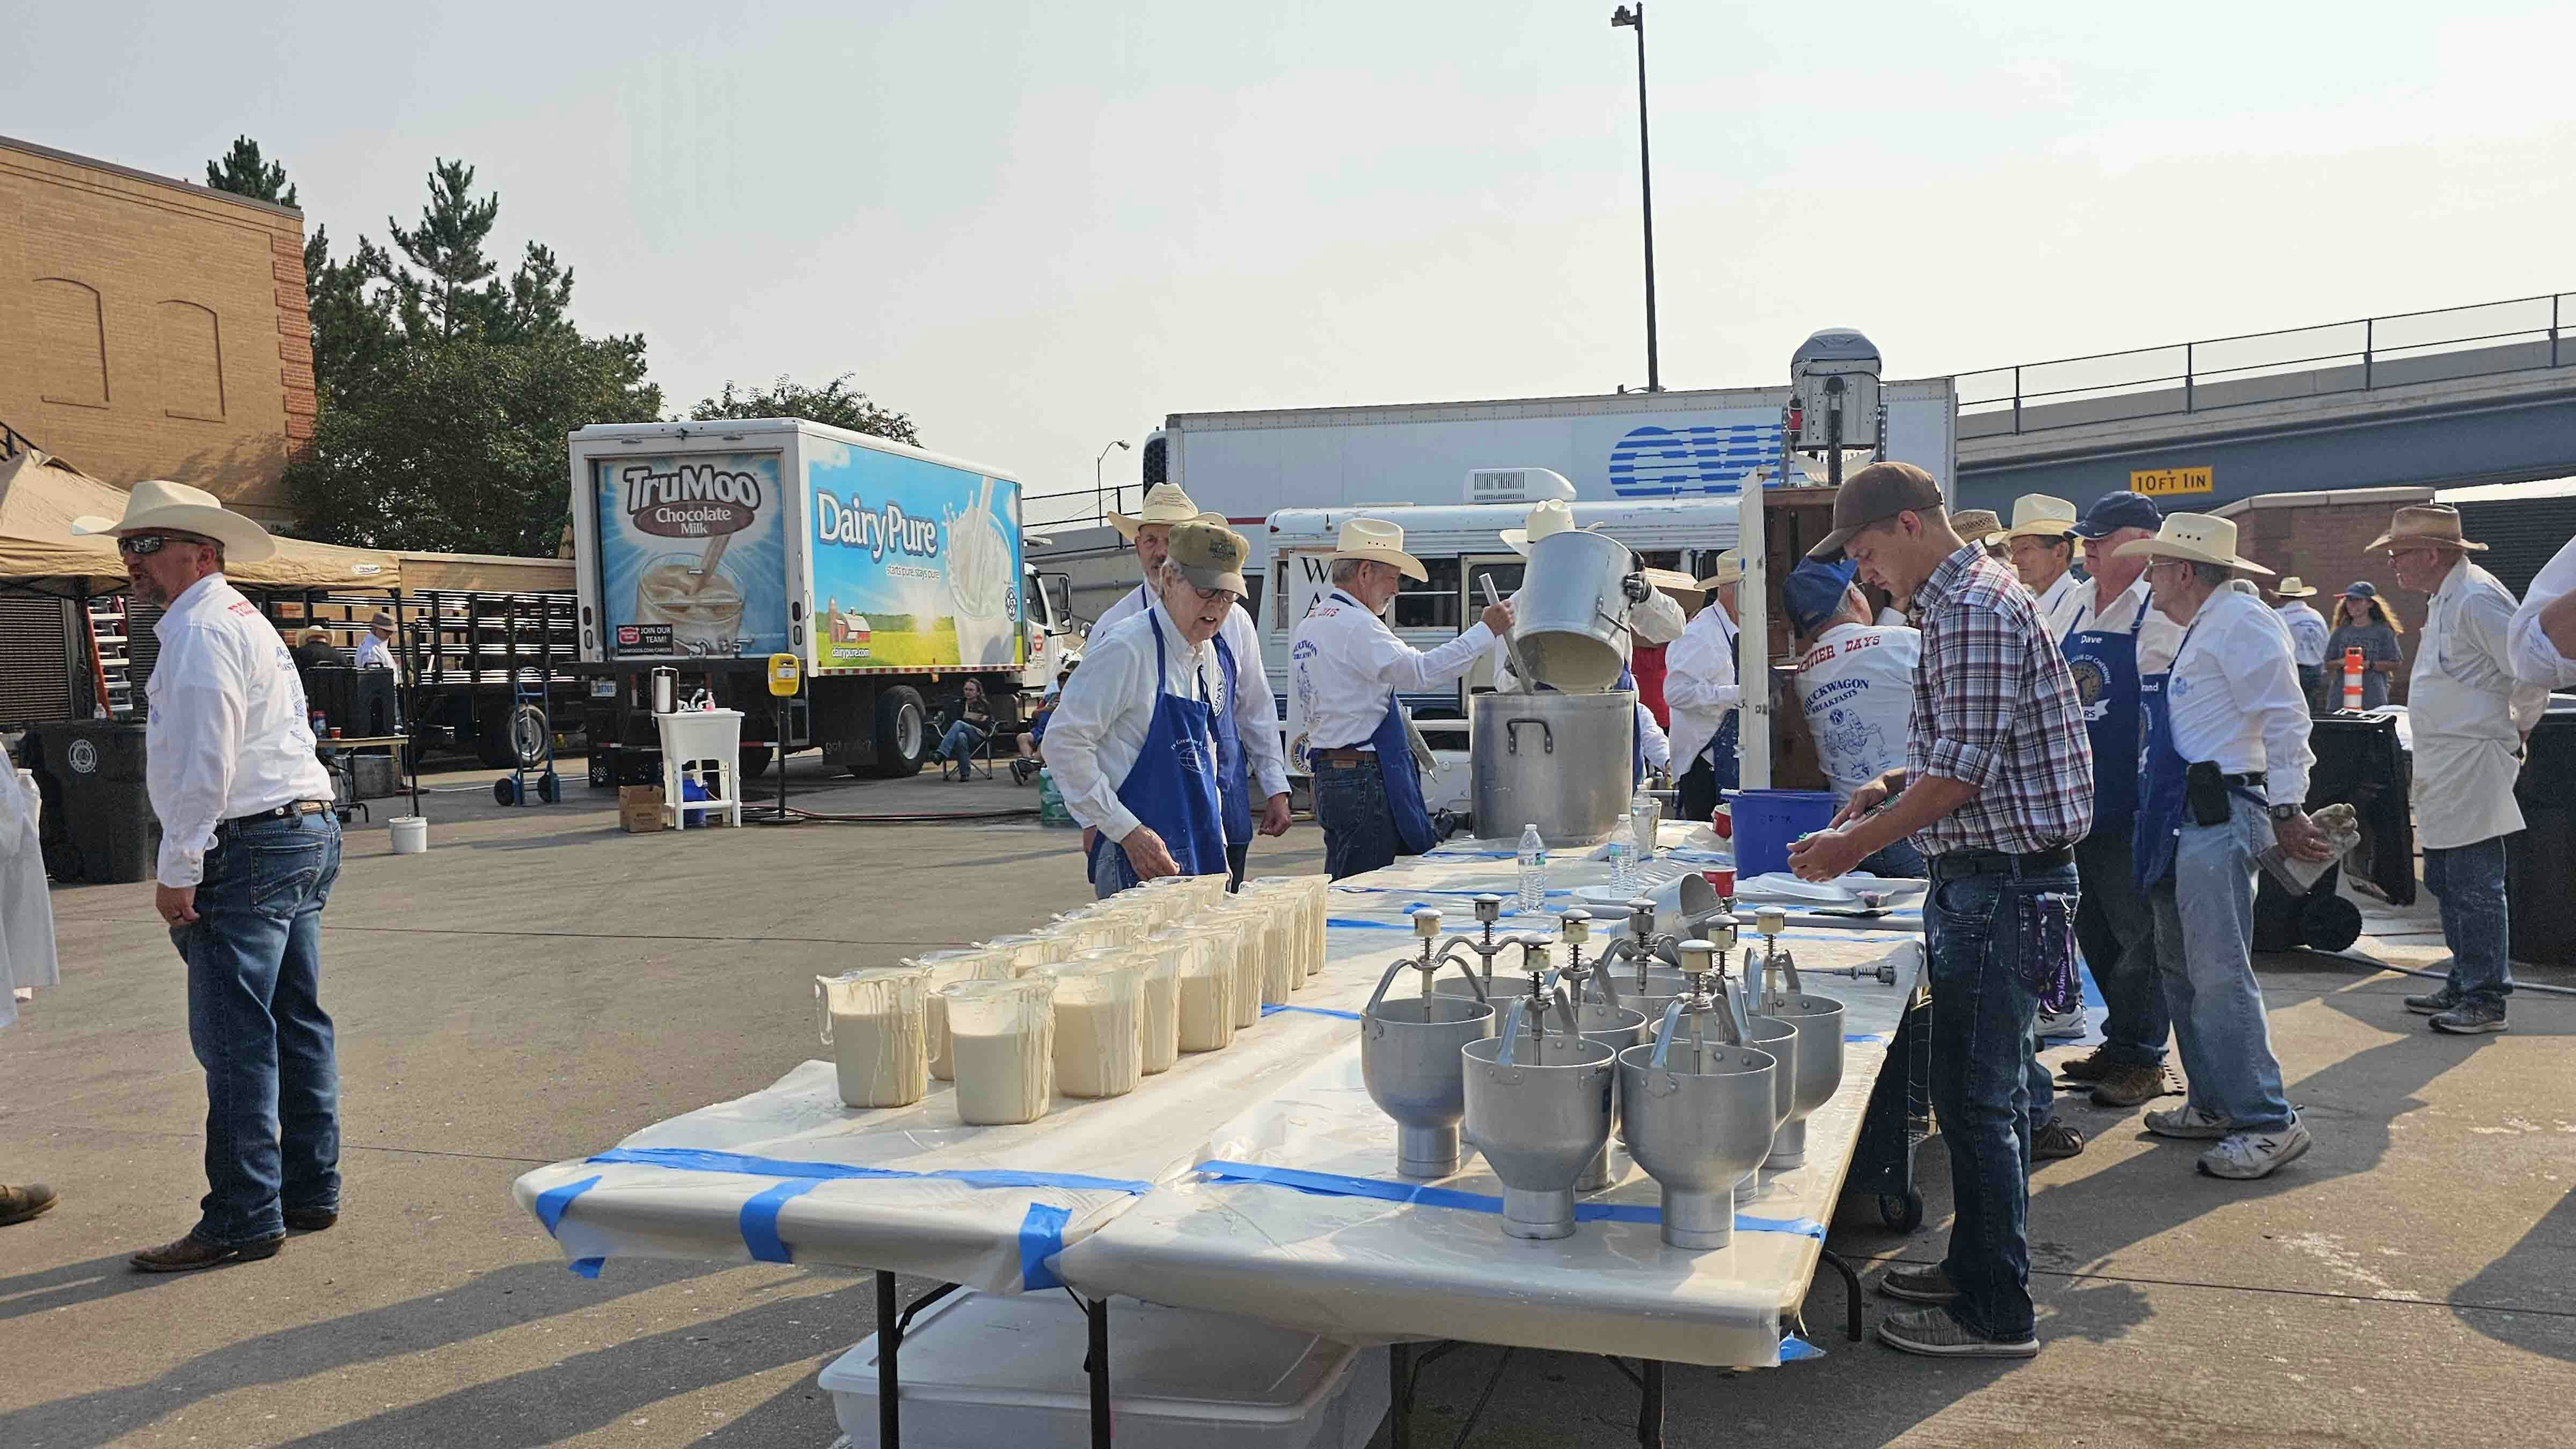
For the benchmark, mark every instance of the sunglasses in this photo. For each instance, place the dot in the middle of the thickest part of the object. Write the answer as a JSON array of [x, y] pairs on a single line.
[[144, 545]]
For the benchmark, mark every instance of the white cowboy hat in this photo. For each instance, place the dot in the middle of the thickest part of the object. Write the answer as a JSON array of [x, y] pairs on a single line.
[[1379, 541], [1672, 581], [2198, 537], [1551, 517], [1730, 567], [2036, 515], [1164, 503], [178, 508], [2294, 587]]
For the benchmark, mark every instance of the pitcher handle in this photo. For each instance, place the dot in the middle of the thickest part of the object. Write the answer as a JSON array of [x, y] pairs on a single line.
[[823, 1011]]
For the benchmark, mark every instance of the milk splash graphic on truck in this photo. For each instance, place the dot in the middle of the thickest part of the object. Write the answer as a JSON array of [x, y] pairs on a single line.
[[908, 571]]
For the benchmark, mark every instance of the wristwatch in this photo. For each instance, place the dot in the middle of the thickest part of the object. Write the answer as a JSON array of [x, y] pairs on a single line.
[[2284, 812]]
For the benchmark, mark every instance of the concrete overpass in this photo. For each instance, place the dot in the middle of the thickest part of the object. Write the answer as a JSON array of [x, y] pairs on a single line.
[[2469, 395]]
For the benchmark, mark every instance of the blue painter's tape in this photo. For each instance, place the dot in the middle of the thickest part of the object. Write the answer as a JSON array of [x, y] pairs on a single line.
[[1275, 1006], [1794, 1349], [552, 1202], [691, 1159], [585, 1267], [1334, 1184], [1041, 1238], [1867, 1038], [1345, 923], [760, 1220]]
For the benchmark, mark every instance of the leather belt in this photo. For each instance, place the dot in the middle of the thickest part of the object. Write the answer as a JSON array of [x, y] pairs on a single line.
[[283, 812], [2251, 780], [1347, 758], [1952, 864]]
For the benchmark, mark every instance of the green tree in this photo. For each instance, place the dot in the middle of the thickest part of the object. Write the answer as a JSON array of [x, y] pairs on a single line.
[[244, 172], [836, 403], [448, 247]]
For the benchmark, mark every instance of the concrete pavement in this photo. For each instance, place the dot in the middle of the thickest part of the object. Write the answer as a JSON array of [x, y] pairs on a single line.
[[540, 985]]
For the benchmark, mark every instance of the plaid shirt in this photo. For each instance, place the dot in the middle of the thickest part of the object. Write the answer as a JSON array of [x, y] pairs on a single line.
[[1995, 707]]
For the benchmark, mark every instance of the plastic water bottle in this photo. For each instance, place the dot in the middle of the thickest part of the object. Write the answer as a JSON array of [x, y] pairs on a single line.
[[1623, 855], [1533, 870]]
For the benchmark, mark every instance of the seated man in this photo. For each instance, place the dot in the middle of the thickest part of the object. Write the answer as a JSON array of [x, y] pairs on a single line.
[[1856, 685], [968, 724], [1027, 739]]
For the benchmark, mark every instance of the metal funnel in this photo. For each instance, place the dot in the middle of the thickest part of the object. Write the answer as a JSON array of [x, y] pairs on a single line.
[[1409, 1059], [1819, 1071], [1538, 1123], [1618, 1028], [1778, 1040], [1696, 1125]]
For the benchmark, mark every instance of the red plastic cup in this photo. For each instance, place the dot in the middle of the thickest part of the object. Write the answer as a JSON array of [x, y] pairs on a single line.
[[1722, 821], [335, 733], [1720, 879]]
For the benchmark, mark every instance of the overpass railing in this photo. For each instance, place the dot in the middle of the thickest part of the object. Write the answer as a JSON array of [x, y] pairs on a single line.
[[2488, 339]]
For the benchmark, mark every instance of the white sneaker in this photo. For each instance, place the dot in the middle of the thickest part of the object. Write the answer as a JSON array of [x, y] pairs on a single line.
[[2060, 1025], [2187, 1121], [2245, 1156]]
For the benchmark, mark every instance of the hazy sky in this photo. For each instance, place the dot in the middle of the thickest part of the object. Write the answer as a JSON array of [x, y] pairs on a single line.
[[1039, 227]]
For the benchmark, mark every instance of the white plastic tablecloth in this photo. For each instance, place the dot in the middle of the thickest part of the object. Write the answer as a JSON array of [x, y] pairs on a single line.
[[1107, 1195]]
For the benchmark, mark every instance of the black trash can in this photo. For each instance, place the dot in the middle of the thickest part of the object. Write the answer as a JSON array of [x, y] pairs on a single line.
[[2361, 764], [2540, 862], [97, 766]]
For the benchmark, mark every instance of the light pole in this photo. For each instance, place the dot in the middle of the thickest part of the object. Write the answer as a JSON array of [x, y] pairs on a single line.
[[1097, 509], [1634, 16]]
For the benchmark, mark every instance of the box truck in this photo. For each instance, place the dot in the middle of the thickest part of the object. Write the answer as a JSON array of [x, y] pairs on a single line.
[[891, 573]]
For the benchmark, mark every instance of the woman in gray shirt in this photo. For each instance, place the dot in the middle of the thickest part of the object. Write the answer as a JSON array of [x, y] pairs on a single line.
[[2363, 621]]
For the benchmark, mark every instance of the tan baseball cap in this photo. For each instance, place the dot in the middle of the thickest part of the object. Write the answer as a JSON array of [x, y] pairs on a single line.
[[1210, 556], [1874, 494]]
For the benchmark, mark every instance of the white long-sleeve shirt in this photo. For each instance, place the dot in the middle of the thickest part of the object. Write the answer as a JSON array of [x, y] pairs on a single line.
[[227, 735], [2158, 637], [1345, 660], [1256, 709], [2535, 659], [1107, 709], [1699, 683], [2234, 697], [2307, 633], [374, 653], [2054, 595]]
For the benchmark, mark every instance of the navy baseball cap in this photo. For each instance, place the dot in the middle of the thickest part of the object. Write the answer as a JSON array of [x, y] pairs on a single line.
[[2363, 589], [2114, 511], [1814, 592]]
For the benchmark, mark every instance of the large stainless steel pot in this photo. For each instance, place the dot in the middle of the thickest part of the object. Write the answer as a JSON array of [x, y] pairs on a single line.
[[1571, 624], [1562, 762]]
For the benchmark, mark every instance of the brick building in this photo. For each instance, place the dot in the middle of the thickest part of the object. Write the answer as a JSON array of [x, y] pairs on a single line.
[[152, 328]]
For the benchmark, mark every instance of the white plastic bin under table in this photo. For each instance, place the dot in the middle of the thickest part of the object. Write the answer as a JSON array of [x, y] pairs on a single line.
[[707, 736]]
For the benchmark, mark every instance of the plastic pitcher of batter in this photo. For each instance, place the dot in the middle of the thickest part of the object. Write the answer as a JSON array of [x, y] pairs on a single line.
[[1001, 1040], [877, 1025]]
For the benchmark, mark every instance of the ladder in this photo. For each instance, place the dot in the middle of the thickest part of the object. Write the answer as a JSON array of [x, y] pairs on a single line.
[[111, 660]]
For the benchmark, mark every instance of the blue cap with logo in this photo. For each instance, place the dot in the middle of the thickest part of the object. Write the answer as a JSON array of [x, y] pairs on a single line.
[[2115, 511], [1814, 592]]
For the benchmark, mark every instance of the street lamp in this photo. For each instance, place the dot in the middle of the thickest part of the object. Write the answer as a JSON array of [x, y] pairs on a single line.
[[1634, 16], [1096, 507]]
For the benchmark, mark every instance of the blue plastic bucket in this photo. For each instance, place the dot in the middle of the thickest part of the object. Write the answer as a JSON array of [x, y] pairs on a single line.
[[1767, 820]]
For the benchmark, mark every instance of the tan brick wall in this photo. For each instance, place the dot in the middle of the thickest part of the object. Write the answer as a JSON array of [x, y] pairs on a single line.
[[152, 329], [2322, 543]]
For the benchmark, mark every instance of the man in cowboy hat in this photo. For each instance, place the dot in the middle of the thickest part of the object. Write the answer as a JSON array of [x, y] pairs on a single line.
[[2223, 770], [2040, 546], [1983, 528], [2469, 717], [249, 850], [1136, 742], [1250, 741], [1994, 789], [1656, 620], [2307, 632], [1351, 674], [1702, 696], [375, 647]]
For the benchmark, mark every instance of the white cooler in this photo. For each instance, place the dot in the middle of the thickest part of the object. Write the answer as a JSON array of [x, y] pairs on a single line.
[[982, 1369]]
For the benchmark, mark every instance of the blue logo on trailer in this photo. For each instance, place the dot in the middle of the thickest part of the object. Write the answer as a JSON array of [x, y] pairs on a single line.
[[1658, 462]]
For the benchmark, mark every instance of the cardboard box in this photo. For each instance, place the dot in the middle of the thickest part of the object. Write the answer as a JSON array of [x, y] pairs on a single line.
[[639, 809]]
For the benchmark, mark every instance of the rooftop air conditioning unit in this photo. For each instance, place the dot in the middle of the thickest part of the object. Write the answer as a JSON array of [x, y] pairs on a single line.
[[1523, 486]]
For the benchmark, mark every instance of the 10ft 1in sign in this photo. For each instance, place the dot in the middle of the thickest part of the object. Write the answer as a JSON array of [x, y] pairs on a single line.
[[2160, 482]]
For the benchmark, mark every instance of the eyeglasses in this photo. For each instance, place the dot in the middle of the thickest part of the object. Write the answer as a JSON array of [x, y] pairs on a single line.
[[1210, 596], [144, 545]]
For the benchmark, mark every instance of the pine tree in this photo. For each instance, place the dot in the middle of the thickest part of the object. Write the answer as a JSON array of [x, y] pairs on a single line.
[[244, 172], [448, 302]]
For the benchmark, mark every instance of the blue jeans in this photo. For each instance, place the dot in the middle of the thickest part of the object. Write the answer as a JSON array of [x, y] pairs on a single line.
[[1981, 1048], [2205, 960], [1359, 828], [255, 1017], [1896, 860], [2469, 880], [960, 741], [2116, 928]]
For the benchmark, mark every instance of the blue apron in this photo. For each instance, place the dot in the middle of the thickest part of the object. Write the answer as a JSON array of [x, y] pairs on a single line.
[[1172, 787], [2105, 665], [1232, 793], [1395, 772], [2160, 780]]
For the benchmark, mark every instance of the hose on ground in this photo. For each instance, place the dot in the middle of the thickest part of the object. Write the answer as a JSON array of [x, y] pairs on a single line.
[[2359, 958]]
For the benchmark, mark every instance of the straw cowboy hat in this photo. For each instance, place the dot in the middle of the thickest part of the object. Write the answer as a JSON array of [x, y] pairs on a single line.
[[2293, 587], [1976, 525], [2424, 523], [1551, 517], [1164, 503], [1672, 581], [1729, 566], [2197, 537], [1378, 541], [2036, 515], [157, 505]]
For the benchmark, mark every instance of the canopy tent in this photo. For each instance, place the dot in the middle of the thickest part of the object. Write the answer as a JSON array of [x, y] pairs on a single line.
[[41, 495]]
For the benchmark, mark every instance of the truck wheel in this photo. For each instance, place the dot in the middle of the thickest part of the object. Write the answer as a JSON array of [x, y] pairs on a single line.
[[492, 745], [755, 761], [903, 734]]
